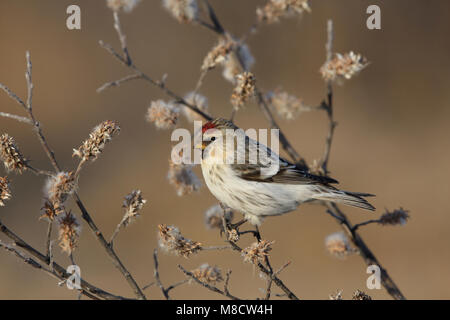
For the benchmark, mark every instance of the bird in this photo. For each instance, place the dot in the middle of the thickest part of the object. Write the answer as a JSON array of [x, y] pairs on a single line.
[[259, 189]]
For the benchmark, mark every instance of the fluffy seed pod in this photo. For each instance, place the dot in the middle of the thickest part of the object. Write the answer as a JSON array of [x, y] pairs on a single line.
[[208, 274], [10, 154], [171, 240], [5, 192], [163, 114], [69, 232], [98, 138], [257, 252]]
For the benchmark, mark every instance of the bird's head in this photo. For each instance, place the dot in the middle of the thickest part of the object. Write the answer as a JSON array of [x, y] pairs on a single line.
[[215, 130]]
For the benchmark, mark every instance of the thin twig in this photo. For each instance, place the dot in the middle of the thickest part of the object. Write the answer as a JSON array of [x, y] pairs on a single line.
[[328, 105], [15, 117], [160, 84], [122, 38], [206, 285], [366, 253], [117, 83], [356, 226], [50, 154], [57, 270], [157, 277], [48, 242], [109, 250], [12, 95]]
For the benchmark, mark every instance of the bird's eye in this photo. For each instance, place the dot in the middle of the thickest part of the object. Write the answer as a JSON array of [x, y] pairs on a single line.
[[213, 138]]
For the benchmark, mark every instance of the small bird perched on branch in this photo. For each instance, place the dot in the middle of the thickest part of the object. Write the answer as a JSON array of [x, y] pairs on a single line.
[[261, 186]]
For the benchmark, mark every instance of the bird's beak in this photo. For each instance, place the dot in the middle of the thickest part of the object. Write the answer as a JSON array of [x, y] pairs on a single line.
[[201, 146]]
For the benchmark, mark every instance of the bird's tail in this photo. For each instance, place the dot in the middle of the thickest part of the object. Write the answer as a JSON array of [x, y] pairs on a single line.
[[354, 199]]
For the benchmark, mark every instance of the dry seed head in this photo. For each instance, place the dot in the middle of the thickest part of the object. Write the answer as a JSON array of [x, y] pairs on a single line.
[[133, 203], [244, 90], [171, 240], [94, 145], [337, 295], [396, 217], [231, 68], [360, 295], [195, 99], [125, 5], [233, 235], [69, 232], [184, 11], [59, 187], [208, 274], [10, 154], [163, 114], [49, 211], [286, 105], [338, 245], [232, 64], [5, 192], [183, 178], [213, 217], [218, 54], [275, 9], [257, 251], [343, 66]]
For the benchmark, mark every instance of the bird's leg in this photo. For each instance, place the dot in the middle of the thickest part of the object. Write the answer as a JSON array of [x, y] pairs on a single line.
[[257, 234], [238, 224]]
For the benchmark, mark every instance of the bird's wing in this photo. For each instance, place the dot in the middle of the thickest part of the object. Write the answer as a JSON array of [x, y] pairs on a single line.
[[269, 171]]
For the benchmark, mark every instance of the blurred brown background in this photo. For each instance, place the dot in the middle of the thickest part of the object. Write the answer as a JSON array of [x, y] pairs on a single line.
[[392, 140]]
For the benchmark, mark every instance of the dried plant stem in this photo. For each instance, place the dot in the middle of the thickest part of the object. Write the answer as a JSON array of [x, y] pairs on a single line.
[[266, 270], [366, 253], [48, 243], [356, 226], [328, 105], [50, 154], [260, 99], [164, 291], [117, 83], [109, 250], [15, 117], [298, 160], [225, 293], [138, 74], [122, 38], [56, 270]]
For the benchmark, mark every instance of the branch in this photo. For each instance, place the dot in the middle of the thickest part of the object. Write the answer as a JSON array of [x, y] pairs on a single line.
[[159, 84], [268, 271], [109, 250], [208, 286], [57, 270], [117, 83], [328, 105], [260, 99], [52, 158], [366, 253], [15, 117]]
